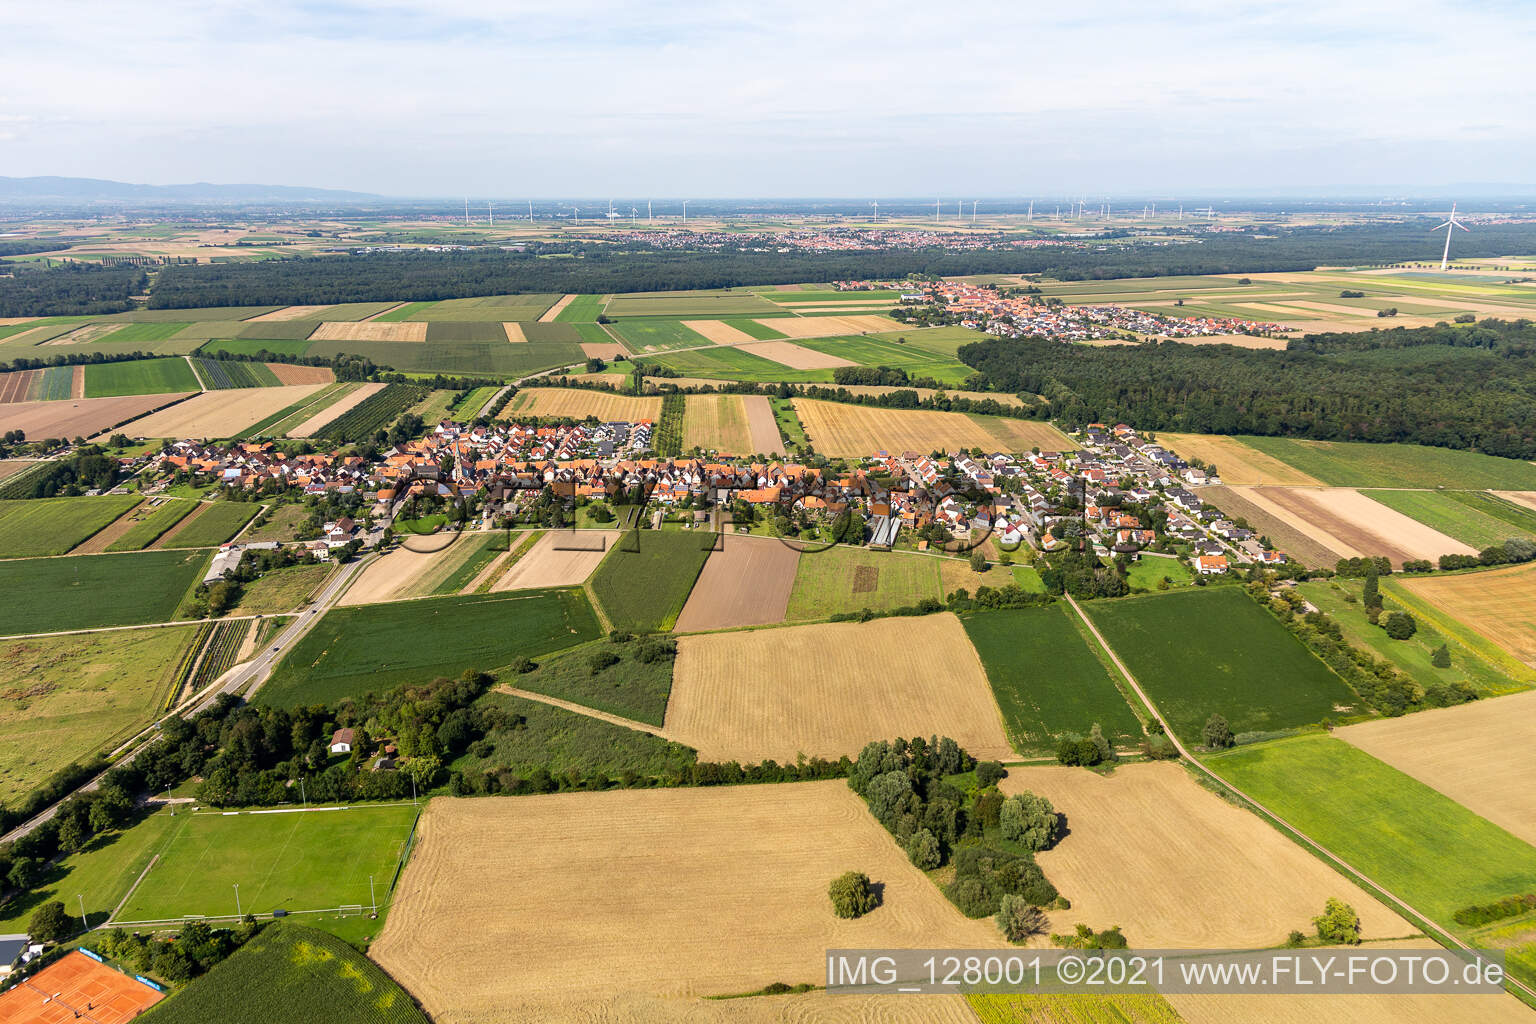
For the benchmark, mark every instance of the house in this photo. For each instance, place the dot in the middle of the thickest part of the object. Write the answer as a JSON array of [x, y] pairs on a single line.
[[11, 949], [342, 740], [1211, 565]]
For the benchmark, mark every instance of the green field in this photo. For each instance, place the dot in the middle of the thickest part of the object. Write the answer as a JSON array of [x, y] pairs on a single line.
[[644, 581], [761, 332], [1149, 570], [433, 409], [58, 383], [221, 375], [64, 699], [728, 363], [658, 335], [144, 332], [1205, 651], [1357, 464], [691, 305], [244, 347], [287, 418], [471, 331], [561, 741], [496, 356], [1411, 655], [871, 351], [374, 648], [485, 308], [631, 688], [1046, 679], [1472, 517], [302, 860], [407, 311], [281, 590], [279, 330], [139, 377], [351, 312], [87, 591], [153, 522], [866, 298], [216, 524], [1425, 847], [52, 526], [583, 309], [1028, 579], [474, 402], [849, 579]]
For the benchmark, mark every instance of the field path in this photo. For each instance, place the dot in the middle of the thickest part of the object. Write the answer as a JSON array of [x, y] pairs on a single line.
[[582, 709], [77, 382]]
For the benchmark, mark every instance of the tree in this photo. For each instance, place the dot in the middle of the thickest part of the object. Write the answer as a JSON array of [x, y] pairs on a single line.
[[1440, 657], [1017, 919], [923, 850], [1371, 596], [852, 895], [989, 773], [1096, 737], [1218, 734], [1338, 923], [978, 561], [1400, 625], [49, 923], [1028, 820]]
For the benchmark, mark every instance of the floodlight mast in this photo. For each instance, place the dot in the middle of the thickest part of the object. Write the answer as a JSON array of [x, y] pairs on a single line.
[[1450, 225]]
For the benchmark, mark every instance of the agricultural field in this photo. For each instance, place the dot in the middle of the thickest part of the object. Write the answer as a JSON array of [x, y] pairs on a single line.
[[831, 688], [850, 579], [874, 351], [493, 356], [560, 558], [657, 335], [374, 413], [689, 305], [487, 307], [1149, 570], [855, 431], [83, 417], [219, 414], [719, 423], [644, 581], [1296, 543], [746, 582], [294, 974], [734, 362], [212, 525], [87, 591], [575, 309], [281, 590], [140, 377], [1351, 524], [1429, 850], [247, 347], [1047, 680], [831, 324], [1475, 518], [66, 698], [1448, 749], [630, 688], [1267, 1008], [275, 424], [1500, 604], [219, 375], [579, 403], [681, 873], [145, 524], [316, 415], [406, 572], [52, 526], [1202, 873], [318, 859], [373, 648], [1053, 1008], [1237, 464], [1357, 464], [1201, 652]]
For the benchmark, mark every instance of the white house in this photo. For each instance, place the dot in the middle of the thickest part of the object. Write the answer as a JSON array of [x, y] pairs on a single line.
[[341, 741]]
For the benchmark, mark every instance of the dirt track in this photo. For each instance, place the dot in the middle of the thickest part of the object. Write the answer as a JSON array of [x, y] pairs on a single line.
[[746, 583]]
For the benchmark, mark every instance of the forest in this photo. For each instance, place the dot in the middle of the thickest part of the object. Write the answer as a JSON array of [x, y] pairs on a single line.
[[70, 289], [1452, 387]]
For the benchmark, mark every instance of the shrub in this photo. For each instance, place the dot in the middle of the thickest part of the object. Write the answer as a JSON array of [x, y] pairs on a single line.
[[1218, 734], [1295, 939], [1077, 751], [1018, 920], [923, 850], [1338, 924], [1096, 737], [1159, 747], [990, 773], [1400, 625], [978, 561], [601, 660], [1486, 913], [852, 895], [1440, 657], [1028, 820], [1084, 937]]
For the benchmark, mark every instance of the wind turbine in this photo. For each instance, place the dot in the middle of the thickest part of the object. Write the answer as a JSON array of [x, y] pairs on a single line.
[[490, 213], [634, 216], [610, 213], [1450, 225], [685, 213], [935, 211], [1031, 210], [647, 213], [876, 205], [466, 211], [530, 211], [577, 211], [973, 213]]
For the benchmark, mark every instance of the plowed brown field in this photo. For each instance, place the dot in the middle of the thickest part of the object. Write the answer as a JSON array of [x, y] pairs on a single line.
[[1349, 522], [746, 582], [79, 417]]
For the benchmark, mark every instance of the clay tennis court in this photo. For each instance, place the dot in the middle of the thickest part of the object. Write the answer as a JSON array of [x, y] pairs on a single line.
[[688, 892], [560, 558], [830, 326], [1180, 868], [1236, 463], [353, 399], [796, 357], [1347, 521], [370, 330], [826, 690], [76, 988], [79, 417], [745, 582]]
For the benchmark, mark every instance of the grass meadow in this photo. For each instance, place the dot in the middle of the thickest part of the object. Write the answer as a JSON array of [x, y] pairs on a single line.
[[155, 521], [52, 526], [88, 591], [1358, 464], [1201, 652], [849, 579], [644, 581], [139, 377], [214, 525], [630, 688], [561, 741], [583, 309], [657, 335], [727, 363], [1472, 517]]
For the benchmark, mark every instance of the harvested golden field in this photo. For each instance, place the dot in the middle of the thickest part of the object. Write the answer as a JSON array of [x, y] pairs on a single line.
[[690, 892], [1347, 521], [854, 431], [10, 467], [514, 332], [370, 330], [1477, 754], [579, 403], [1178, 867], [219, 413], [350, 401], [560, 558], [830, 326], [1499, 603], [826, 690], [292, 373], [746, 582], [720, 332], [403, 573], [288, 313], [1235, 462], [608, 350], [80, 417], [717, 422], [1526, 498], [796, 357], [554, 311], [1235, 340], [762, 427]]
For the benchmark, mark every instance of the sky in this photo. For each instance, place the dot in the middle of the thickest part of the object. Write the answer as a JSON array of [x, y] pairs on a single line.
[[722, 99]]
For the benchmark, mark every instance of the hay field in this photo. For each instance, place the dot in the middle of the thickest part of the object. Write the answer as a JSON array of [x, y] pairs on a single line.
[[292, 373], [560, 558], [697, 891], [608, 350], [825, 690], [79, 417], [1478, 754], [720, 332], [796, 357], [1498, 603], [1349, 523], [289, 313], [370, 330], [717, 422], [352, 400], [1200, 873], [1235, 462], [854, 431], [514, 333], [830, 326], [1526, 498], [219, 413], [579, 403], [746, 582]]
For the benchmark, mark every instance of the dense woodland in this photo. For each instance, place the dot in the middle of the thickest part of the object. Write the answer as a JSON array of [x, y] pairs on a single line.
[[1470, 387], [68, 290]]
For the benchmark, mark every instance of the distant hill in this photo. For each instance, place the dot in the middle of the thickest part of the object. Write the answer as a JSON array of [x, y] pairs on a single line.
[[98, 190]]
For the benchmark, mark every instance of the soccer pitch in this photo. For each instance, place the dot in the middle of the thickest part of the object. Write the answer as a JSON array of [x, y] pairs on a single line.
[[293, 860]]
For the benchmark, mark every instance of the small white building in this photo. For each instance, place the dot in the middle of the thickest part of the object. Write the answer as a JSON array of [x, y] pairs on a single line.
[[342, 740]]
